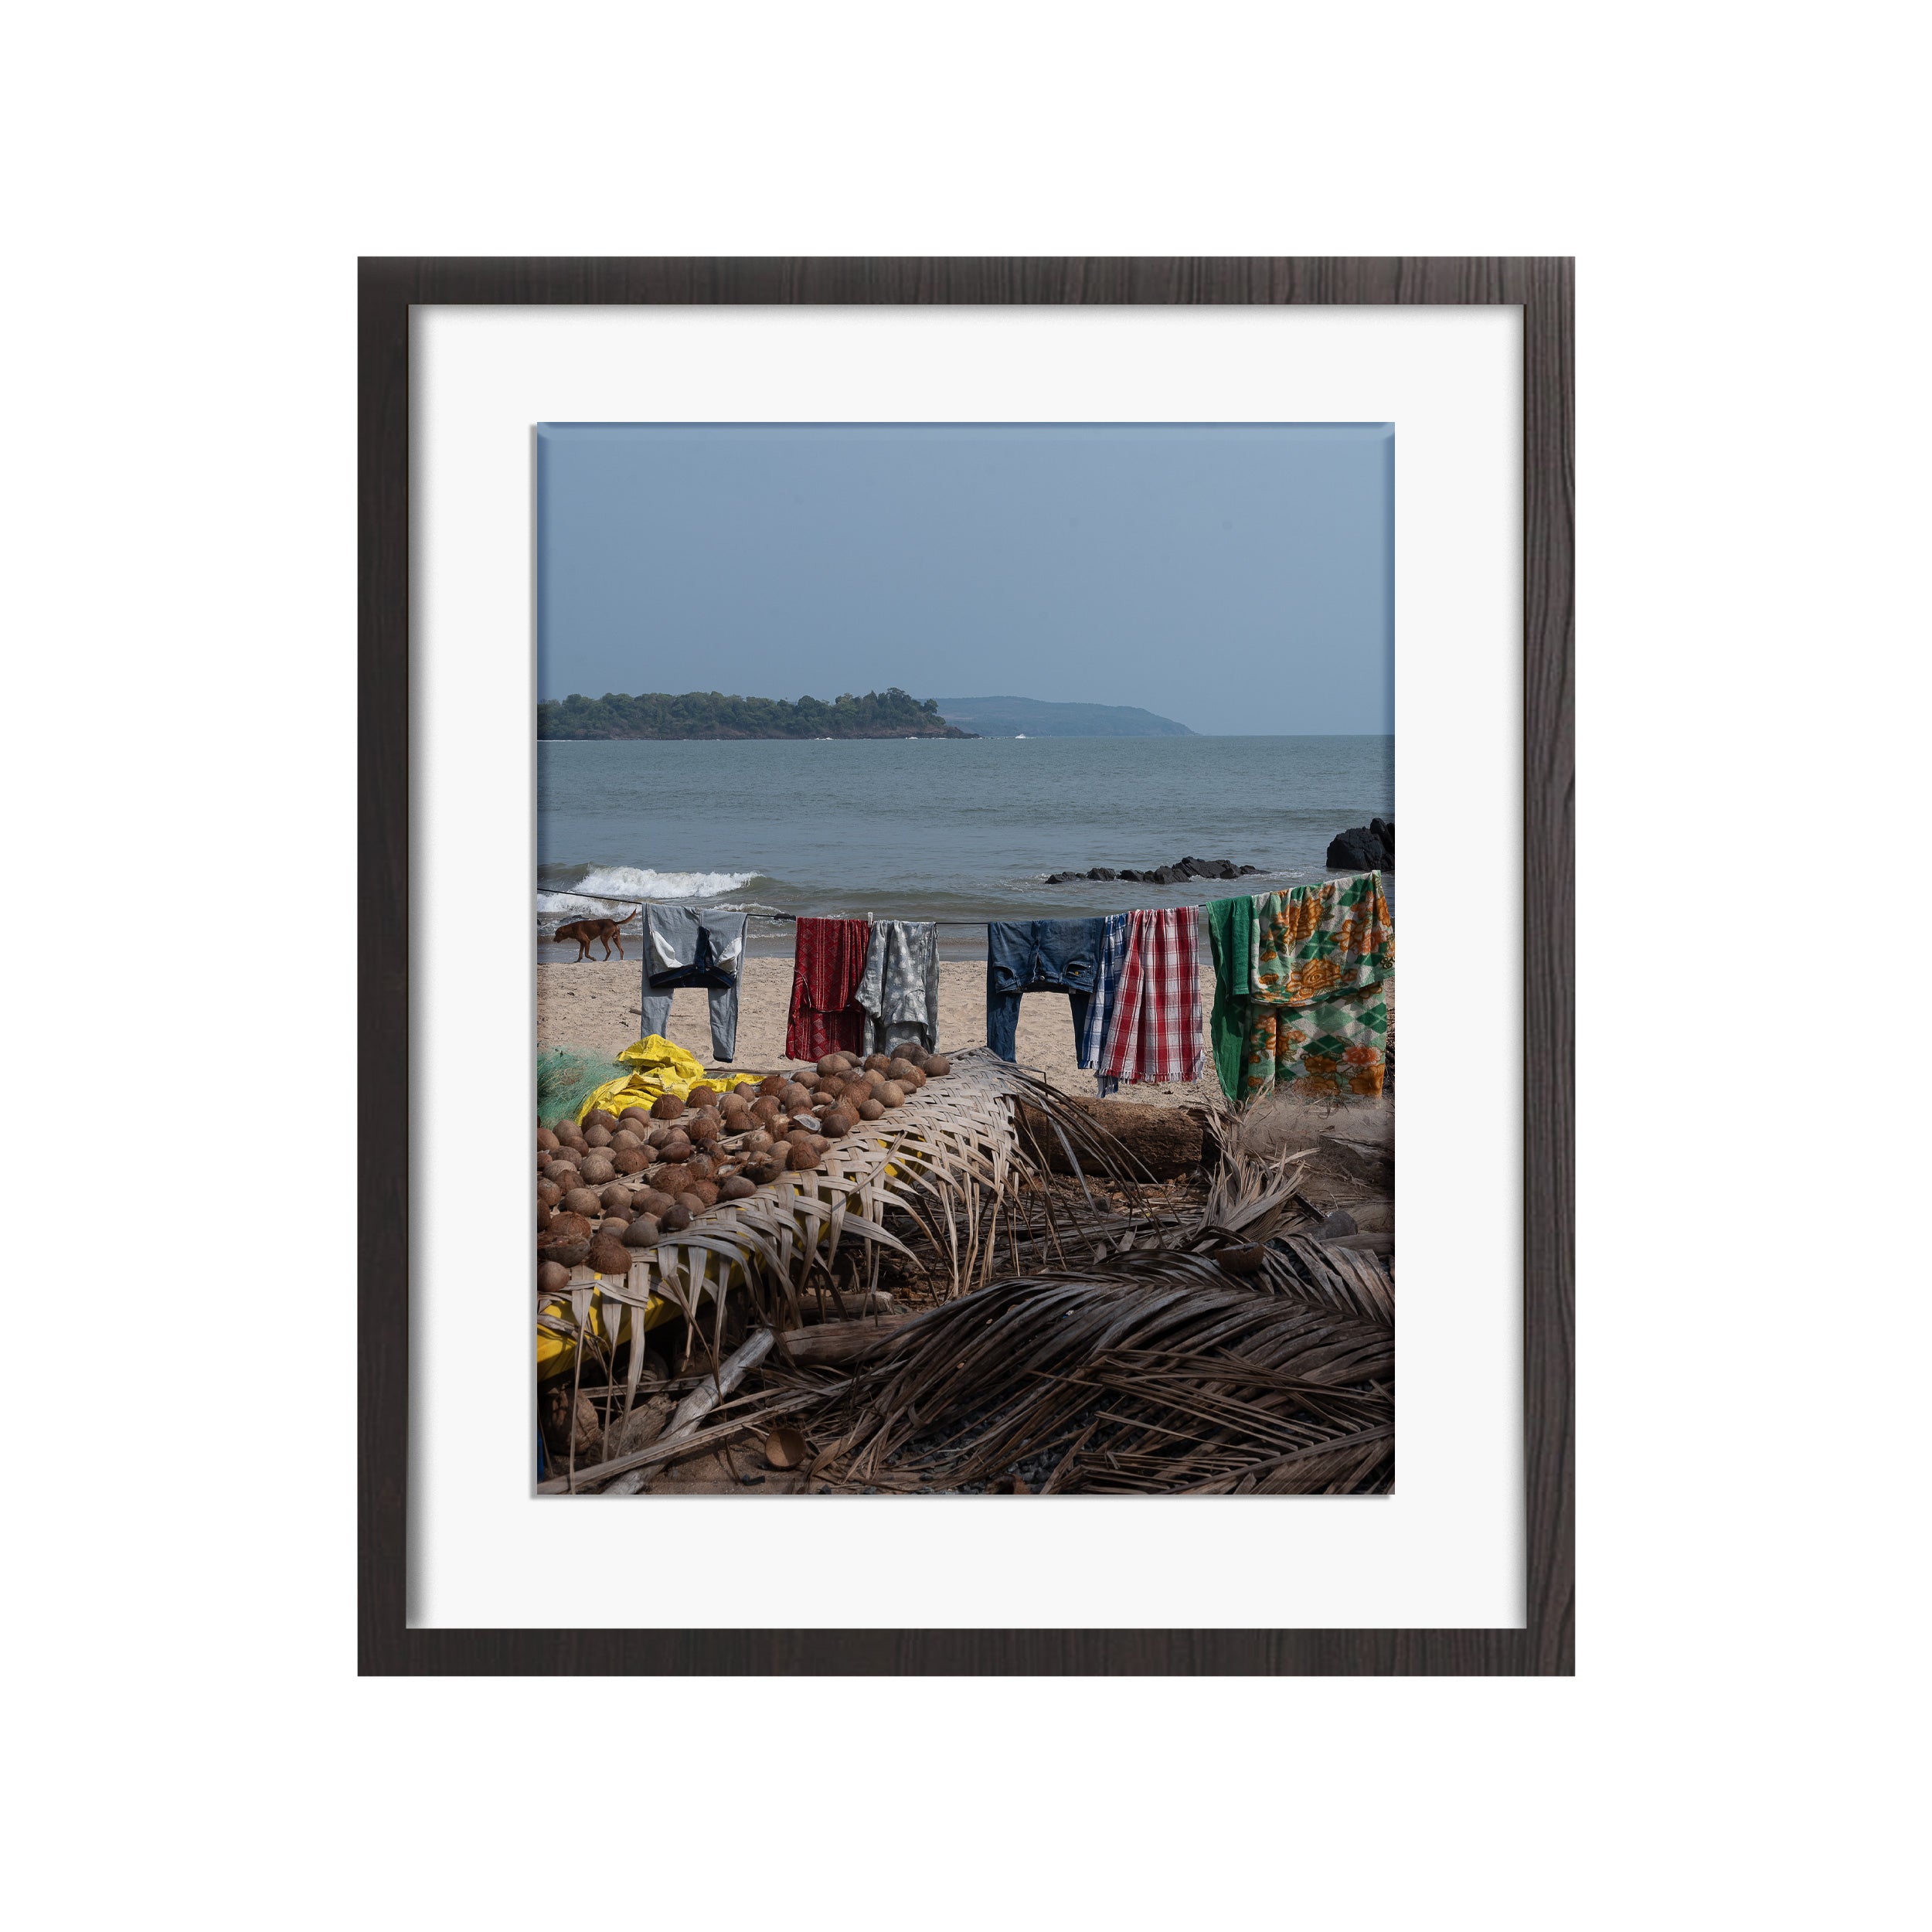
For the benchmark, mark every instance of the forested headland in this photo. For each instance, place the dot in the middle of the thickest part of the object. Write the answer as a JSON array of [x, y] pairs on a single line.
[[711, 714]]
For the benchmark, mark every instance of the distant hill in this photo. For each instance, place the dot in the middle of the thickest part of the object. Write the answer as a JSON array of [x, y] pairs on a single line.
[[1034, 717], [710, 714]]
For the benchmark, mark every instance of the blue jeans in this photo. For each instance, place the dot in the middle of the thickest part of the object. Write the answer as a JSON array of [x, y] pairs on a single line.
[[683, 947], [1040, 956]]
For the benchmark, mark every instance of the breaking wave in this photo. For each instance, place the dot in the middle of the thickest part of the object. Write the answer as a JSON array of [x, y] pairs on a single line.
[[634, 884]]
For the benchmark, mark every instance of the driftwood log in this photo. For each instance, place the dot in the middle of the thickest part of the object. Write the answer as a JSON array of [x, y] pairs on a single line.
[[1164, 1141]]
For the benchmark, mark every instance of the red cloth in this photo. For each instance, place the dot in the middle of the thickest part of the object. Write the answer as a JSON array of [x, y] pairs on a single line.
[[824, 1017], [1153, 1030]]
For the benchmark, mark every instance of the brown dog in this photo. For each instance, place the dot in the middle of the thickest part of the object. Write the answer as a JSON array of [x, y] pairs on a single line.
[[584, 930]]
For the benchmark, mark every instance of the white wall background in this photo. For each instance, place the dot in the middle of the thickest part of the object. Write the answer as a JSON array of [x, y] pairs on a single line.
[[189, 189]]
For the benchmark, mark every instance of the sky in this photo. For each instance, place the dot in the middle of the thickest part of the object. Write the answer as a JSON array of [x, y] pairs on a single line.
[[1238, 577]]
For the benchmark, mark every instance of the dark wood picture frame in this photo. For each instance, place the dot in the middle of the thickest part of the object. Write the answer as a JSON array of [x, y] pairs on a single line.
[[1544, 288]]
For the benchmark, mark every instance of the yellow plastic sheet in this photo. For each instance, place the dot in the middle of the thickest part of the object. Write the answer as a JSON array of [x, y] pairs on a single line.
[[556, 1354], [657, 1067]]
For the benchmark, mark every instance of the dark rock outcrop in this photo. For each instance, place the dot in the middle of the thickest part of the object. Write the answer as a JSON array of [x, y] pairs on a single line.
[[1369, 848], [1176, 874]]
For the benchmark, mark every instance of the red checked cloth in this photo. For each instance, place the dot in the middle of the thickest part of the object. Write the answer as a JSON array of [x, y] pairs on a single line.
[[825, 1017], [1153, 1030]]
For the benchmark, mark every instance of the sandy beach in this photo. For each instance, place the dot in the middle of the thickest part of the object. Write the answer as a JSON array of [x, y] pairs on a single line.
[[593, 1006]]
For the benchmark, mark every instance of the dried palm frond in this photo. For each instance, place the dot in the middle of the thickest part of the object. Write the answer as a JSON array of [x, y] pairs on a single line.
[[1154, 1375]]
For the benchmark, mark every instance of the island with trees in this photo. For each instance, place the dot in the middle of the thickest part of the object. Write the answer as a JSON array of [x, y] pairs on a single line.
[[710, 714]]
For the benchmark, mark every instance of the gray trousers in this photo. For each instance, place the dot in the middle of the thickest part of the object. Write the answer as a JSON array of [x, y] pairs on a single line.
[[685, 947]]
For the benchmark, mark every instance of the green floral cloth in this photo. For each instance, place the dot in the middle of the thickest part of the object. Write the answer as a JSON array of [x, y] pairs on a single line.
[[1316, 1011]]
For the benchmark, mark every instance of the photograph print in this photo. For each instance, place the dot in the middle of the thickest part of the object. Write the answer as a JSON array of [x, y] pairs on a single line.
[[965, 960]]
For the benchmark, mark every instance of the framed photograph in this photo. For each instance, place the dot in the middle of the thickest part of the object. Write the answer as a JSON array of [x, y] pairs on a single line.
[[886, 771]]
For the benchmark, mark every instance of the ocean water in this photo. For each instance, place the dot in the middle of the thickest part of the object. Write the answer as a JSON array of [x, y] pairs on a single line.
[[961, 829]]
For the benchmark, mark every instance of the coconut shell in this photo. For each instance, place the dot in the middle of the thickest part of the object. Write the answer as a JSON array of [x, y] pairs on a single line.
[[563, 1124], [871, 1110], [545, 1215], [599, 1116], [767, 1109], [659, 1134], [735, 1189], [804, 1156], [545, 1138], [666, 1106], [581, 1200], [892, 1094], [833, 1063], [633, 1112], [677, 1145], [675, 1220], [614, 1222], [642, 1232], [624, 1140], [705, 1128], [548, 1193], [651, 1201], [597, 1169], [795, 1099], [757, 1140], [706, 1191], [878, 1063], [569, 1226], [630, 1160], [703, 1094], [563, 1178], [838, 1123], [552, 1277], [693, 1203], [701, 1167], [770, 1084], [616, 1195], [596, 1137], [937, 1066], [609, 1256]]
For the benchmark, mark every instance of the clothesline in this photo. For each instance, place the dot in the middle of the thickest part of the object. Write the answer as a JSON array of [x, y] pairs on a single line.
[[618, 898]]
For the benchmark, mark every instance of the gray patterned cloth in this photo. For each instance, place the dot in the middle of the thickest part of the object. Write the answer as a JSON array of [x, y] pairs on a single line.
[[899, 990]]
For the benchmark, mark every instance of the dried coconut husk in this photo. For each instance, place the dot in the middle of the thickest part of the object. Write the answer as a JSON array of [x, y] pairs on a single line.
[[633, 1112], [563, 1177], [833, 1063], [679, 1148], [701, 1167], [892, 1094], [757, 1140], [675, 1220], [659, 1134], [672, 1177], [630, 1160], [838, 1123], [765, 1109], [666, 1106], [877, 1062], [642, 1232], [937, 1066], [545, 1215], [582, 1200], [693, 1203], [796, 1099], [548, 1193], [597, 1169], [871, 1110], [772, 1083], [736, 1188], [703, 1095], [623, 1141], [563, 1125], [546, 1141], [804, 1156], [609, 1256], [651, 1200], [566, 1239], [615, 1195], [552, 1277], [596, 1137], [705, 1128], [706, 1191], [599, 1116]]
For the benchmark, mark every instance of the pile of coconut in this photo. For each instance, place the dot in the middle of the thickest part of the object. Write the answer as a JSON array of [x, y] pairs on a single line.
[[620, 1182]]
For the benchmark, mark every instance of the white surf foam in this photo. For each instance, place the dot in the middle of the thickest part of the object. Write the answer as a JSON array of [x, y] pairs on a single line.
[[633, 882]]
